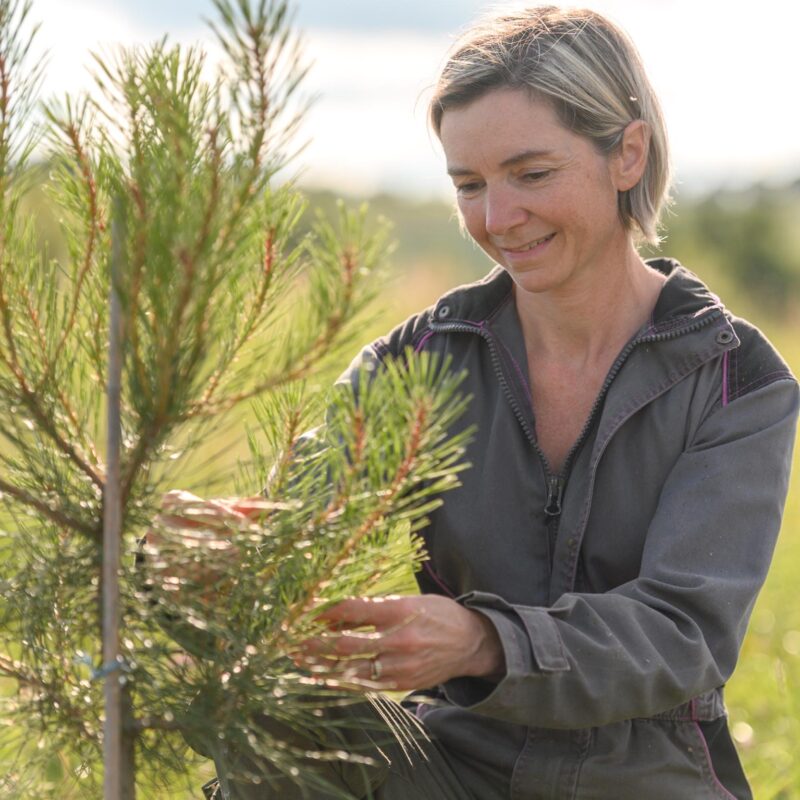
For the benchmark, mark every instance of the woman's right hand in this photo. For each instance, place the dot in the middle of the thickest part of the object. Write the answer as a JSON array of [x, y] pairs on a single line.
[[192, 540]]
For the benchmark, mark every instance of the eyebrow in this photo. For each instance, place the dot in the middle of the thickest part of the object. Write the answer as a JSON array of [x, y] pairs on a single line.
[[525, 155]]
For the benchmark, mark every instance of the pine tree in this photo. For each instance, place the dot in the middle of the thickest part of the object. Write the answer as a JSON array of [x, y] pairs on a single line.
[[172, 201]]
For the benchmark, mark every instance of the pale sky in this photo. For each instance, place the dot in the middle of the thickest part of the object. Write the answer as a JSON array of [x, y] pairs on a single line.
[[727, 73]]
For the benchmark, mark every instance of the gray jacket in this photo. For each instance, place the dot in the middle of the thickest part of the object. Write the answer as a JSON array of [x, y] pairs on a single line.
[[621, 587]]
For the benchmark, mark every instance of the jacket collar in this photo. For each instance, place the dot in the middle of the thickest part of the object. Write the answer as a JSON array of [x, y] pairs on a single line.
[[683, 295]]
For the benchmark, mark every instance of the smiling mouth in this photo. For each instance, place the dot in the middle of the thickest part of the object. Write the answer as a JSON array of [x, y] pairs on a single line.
[[530, 245]]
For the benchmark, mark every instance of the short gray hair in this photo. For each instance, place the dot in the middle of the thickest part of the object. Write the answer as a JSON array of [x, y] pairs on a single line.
[[587, 68]]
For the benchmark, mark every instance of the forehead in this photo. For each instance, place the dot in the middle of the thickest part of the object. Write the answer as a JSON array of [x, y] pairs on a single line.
[[501, 124]]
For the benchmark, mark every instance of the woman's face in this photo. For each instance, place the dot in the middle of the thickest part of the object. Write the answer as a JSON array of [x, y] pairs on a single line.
[[538, 198]]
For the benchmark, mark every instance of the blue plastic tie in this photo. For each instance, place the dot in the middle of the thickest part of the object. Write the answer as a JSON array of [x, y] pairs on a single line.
[[103, 671]]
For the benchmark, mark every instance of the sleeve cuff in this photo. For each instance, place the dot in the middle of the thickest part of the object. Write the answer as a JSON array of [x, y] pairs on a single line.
[[531, 647]]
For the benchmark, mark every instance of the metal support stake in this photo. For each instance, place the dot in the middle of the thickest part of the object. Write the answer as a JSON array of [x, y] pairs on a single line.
[[112, 534]]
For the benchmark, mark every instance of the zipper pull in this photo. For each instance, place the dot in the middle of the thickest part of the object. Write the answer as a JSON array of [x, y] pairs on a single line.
[[555, 491]]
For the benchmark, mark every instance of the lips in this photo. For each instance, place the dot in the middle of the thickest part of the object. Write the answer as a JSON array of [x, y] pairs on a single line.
[[530, 245]]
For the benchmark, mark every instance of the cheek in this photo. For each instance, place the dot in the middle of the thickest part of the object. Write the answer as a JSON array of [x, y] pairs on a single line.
[[472, 219], [603, 200], [590, 206]]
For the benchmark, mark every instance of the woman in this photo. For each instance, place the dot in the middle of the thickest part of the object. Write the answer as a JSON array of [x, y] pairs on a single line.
[[589, 585]]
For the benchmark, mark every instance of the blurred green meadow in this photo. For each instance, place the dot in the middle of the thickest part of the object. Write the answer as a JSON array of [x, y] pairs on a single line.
[[746, 244]]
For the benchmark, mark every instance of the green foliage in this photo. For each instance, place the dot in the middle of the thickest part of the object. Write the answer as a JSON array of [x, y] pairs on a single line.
[[168, 183], [17, 97], [745, 240], [383, 461]]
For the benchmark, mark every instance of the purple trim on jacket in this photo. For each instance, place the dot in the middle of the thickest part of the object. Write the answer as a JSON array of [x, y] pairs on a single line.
[[725, 360]]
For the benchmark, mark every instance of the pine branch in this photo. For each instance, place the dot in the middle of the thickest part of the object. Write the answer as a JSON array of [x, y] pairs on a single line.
[[10, 668], [134, 288], [310, 593], [53, 514], [286, 453], [66, 406], [5, 108], [17, 671], [30, 398], [215, 167], [152, 435], [309, 359], [31, 401], [138, 255], [254, 314], [170, 344], [255, 47], [34, 318], [213, 266], [334, 507], [148, 723], [16, 93], [95, 227]]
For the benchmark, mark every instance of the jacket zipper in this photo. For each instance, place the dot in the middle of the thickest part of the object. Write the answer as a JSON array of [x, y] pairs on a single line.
[[557, 483], [555, 491]]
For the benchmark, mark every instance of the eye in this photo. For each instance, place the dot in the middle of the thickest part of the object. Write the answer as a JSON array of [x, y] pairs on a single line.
[[533, 176], [469, 188]]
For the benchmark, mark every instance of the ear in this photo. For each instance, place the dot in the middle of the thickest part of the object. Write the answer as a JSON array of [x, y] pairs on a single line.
[[630, 159]]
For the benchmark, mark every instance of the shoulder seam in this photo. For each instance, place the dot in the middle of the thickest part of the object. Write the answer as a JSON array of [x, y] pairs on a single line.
[[498, 308], [760, 382]]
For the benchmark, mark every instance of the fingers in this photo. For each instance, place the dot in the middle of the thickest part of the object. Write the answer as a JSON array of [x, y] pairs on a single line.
[[346, 655], [373, 643], [251, 507], [342, 645], [185, 532], [206, 524], [419, 640], [375, 672], [381, 613], [181, 509], [194, 511], [372, 673]]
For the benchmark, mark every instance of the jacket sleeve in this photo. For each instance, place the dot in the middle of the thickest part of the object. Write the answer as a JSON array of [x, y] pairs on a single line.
[[675, 631]]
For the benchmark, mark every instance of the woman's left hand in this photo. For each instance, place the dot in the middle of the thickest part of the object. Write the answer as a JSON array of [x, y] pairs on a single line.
[[403, 643]]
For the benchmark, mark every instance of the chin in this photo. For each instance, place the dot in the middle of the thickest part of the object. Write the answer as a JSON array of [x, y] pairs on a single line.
[[536, 273], [534, 280]]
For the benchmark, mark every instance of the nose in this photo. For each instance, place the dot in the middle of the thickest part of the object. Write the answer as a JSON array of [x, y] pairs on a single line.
[[503, 210]]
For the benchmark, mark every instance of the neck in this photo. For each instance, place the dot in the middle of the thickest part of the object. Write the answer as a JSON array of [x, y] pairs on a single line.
[[593, 315]]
